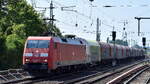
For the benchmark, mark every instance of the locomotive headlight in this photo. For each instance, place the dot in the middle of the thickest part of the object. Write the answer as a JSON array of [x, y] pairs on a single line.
[[27, 60], [28, 54], [45, 60], [44, 54]]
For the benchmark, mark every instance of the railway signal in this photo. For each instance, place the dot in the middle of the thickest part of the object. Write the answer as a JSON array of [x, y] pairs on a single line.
[[91, 0], [97, 30], [113, 39], [144, 41], [113, 35]]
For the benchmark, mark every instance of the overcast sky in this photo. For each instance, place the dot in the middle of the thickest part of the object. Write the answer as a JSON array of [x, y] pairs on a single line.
[[122, 10]]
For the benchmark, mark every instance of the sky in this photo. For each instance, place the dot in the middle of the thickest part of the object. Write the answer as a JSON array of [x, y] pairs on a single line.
[[110, 17]]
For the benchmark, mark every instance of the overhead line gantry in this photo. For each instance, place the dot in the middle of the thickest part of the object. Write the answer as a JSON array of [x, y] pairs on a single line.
[[139, 18]]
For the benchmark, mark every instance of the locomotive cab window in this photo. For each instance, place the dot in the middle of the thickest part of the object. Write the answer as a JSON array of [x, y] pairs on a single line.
[[32, 44], [38, 44], [43, 44]]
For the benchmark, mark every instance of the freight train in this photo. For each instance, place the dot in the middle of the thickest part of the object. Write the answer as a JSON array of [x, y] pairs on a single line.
[[53, 53]]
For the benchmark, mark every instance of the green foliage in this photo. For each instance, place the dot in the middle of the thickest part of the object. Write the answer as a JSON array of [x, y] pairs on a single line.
[[54, 30], [18, 20], [14, 45], [13, 42], [19, 29], [2, 41]]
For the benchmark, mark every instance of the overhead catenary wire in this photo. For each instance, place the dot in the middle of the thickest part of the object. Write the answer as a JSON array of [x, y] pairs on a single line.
[[82, 30], [77, 13], [85, 18]]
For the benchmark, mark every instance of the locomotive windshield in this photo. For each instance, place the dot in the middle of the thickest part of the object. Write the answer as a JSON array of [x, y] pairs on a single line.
[[38, 44]]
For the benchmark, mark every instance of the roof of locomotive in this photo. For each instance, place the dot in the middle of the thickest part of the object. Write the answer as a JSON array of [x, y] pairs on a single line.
[[39, 38], [78, 41]]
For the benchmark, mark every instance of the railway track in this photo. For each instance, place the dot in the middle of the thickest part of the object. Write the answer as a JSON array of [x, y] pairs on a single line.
[[141, 77], [147, 81], [101, 77], [60, 78], [137, 75], [86, 76], [130, 80], [8, 76], [129, 75], [14, 76]]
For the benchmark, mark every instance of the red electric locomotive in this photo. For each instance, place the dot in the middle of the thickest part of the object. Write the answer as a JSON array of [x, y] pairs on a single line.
[[53, 52]]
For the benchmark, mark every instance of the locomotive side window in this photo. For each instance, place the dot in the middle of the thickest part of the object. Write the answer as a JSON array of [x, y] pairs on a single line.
[[55, 45], [38, 44]]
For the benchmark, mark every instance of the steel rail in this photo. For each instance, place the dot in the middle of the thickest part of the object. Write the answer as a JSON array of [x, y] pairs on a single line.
[[102, 75], [147, 81], [136, 75]]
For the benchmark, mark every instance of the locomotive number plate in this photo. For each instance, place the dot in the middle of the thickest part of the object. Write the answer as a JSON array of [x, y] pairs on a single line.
[[35, 60]]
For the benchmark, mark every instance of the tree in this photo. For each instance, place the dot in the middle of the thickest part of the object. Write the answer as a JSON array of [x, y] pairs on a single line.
[[14, 45], [54, 30]]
